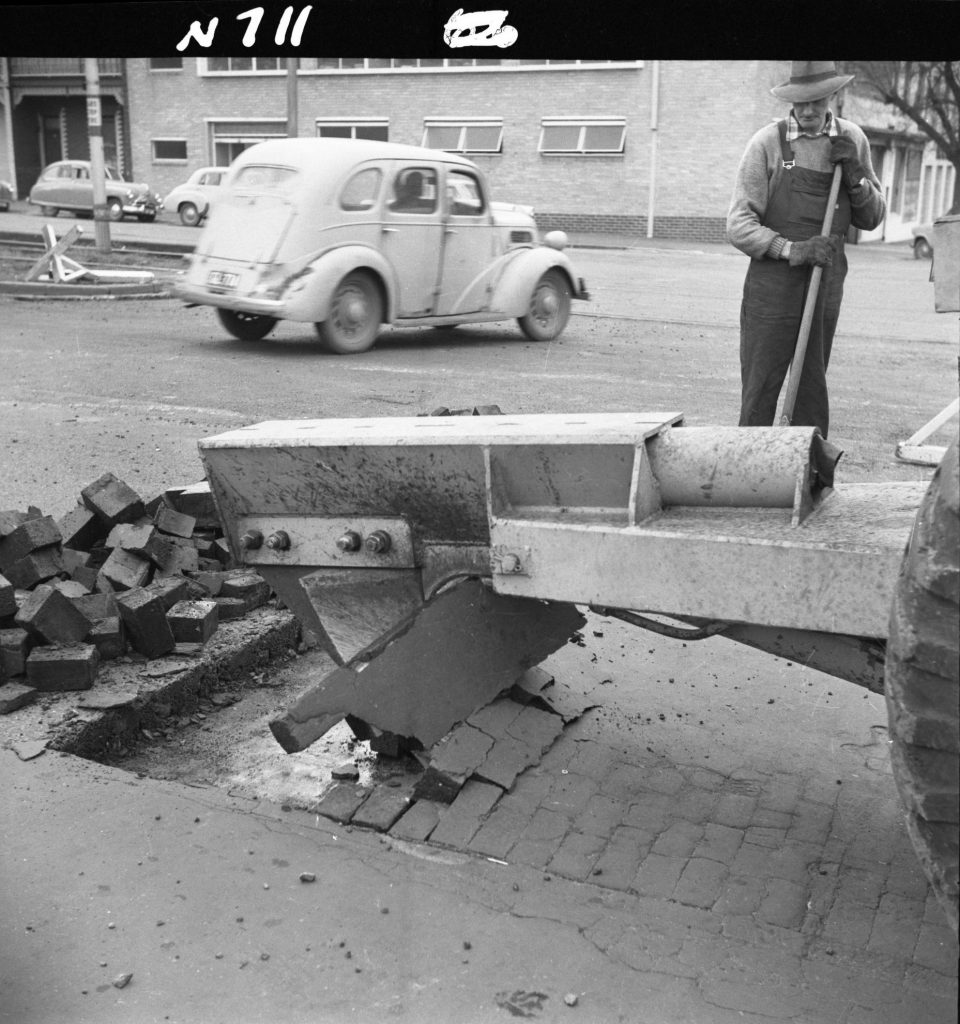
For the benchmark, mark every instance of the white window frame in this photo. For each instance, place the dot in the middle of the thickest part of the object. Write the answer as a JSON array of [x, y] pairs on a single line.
[[456, 66], [281, 69], [583, 123], [464, 124], [168, 159], [164, 71], [353, 123]]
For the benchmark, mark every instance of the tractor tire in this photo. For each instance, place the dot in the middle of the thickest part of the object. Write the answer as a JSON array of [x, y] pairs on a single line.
[[922, 685]]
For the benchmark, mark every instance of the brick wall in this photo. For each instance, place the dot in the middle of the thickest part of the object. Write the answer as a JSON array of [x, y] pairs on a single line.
[[708, 111]]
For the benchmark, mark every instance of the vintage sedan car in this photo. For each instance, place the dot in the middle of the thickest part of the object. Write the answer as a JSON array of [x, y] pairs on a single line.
[[191, 200], [922, 241], [6, 195], [67, 185], [352, 234]]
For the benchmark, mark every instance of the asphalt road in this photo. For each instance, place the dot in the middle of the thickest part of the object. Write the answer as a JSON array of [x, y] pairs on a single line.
[[131, 386]]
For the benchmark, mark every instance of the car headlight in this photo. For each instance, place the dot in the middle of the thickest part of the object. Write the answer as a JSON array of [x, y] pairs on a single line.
[[556, 239], [131, 195]]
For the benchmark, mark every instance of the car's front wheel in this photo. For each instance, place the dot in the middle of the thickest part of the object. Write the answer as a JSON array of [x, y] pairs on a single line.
[[549, 308], [922, 249], [356, 312], [114, 209], [189, 215], [246, 326]]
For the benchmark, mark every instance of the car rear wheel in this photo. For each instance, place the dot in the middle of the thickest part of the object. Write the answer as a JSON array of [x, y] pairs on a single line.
[[189, 215], [49, 211], [246, 326], [356, 312], [114, 209], [549, 308], [922, 688], [922, 249]]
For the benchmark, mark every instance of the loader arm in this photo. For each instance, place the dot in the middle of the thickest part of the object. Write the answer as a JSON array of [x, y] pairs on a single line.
[[437, 558]]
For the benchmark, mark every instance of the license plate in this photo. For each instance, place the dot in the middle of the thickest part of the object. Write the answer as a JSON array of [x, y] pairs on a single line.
[[221, 279]]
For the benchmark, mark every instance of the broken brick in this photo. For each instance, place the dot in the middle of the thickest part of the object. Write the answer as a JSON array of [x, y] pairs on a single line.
[[70, 588], [80, 528], [72, 559], [112, 500], [145, 620], [10, 519], [14, 696], [193, 621], [211, 581], [197, 501], [251, 587], [49, 615], [62, 667], [231, 607], [85, 575], [27, 537], [107, 636], [182, 559], [15, 644], [125, 570], [168, 520], [37, 567]]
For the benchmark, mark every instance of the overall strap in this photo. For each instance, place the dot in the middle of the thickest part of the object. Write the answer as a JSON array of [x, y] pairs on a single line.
[[786, 150]]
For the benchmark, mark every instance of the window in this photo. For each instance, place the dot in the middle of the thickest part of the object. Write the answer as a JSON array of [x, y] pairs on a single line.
[[466, 197], [582, 135], [459, 135], [170, 149], [228, 139], [361, 191], [353, 128], [443, 64], [242, 64], [415, 190], [166, 63], [265, 178]]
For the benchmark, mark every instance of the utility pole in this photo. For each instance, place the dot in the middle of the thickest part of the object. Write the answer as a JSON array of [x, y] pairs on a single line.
[[292, 64], [101, 220]]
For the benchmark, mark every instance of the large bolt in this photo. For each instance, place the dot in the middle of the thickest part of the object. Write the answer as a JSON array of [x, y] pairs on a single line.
[[350, 541], [378, 543], [279, 541], [251, 540]]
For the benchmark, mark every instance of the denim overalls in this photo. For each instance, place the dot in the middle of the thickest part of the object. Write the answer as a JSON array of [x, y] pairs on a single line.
[[773, 298]]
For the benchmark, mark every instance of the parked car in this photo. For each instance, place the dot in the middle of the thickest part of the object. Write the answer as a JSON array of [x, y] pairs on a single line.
[[6, 195], [191, 200], [351, 234], [922, 241], [67, 185]]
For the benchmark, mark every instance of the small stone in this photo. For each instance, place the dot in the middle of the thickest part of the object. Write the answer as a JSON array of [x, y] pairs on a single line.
[[264, 956], [346, 771], [570, 999], [122, 980], [307, 876], [29, 749]]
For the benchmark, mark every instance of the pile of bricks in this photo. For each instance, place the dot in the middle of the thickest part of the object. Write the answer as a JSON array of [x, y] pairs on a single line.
[[113, 577]]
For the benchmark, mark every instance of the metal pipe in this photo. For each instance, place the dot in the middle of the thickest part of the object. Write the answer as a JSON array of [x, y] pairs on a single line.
[[654, 128]]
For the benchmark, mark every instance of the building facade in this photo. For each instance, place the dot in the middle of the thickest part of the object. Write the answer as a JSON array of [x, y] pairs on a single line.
[[632, 147]]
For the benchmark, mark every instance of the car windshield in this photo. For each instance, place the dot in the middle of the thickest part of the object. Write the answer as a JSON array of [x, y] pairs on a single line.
[[265, 178]]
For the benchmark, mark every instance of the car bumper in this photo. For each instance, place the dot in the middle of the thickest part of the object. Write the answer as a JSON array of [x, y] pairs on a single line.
[[193, 295]]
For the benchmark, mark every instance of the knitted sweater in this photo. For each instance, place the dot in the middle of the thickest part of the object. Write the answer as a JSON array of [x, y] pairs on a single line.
[[761, 167]]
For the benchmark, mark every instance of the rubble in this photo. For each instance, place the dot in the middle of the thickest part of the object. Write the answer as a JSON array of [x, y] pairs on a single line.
[[114, 577]]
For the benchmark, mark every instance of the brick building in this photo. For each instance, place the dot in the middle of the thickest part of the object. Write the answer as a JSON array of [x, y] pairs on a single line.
[[632, 147]]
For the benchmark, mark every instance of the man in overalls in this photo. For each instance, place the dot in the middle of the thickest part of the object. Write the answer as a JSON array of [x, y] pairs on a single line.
[[776, 218]]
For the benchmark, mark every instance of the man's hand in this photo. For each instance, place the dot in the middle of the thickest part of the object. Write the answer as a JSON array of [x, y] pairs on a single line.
[[815, 252], [843, 151]]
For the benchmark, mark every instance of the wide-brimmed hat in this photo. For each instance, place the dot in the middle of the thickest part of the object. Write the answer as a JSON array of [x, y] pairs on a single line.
[[811, 80]]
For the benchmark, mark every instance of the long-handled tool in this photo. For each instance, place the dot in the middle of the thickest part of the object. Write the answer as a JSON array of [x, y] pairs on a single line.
[[800, 352]]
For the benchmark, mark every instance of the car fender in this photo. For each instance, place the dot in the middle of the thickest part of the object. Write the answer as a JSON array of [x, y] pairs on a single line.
[[308, 294], [515, 286]]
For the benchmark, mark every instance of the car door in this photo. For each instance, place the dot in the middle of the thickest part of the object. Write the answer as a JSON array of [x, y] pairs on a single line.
[[411, 235], [469, 245], [58, 188]]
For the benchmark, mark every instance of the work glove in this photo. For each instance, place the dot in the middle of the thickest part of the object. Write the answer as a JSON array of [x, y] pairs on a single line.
[[843, 151], [815, 252]]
